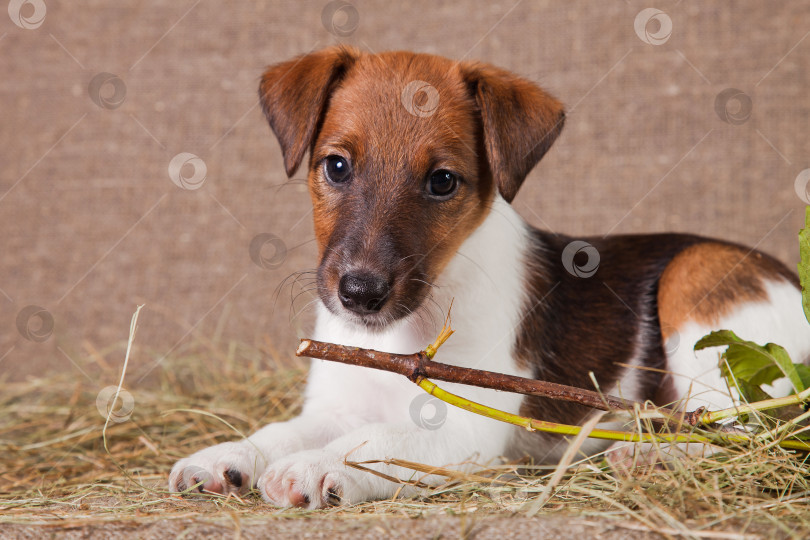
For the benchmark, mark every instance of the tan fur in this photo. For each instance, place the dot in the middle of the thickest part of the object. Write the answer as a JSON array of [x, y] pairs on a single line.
[[707, 281]]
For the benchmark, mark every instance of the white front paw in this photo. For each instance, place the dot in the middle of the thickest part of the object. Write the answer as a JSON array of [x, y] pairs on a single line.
[[313, 479], [231, 467]]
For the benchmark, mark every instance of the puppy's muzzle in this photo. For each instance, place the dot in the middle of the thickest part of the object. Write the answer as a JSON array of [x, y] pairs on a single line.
[[363, 293]]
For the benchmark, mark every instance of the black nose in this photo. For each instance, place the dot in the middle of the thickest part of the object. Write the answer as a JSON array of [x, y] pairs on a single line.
[[363, 293]]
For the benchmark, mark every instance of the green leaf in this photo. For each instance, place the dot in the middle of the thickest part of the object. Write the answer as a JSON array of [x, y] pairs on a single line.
[[749, 392], [755, 364], [804, 263], [718, 338], [804, 374]]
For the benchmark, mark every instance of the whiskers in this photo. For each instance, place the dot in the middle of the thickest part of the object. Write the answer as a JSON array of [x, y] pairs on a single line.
[[306, 282], [425, 316]]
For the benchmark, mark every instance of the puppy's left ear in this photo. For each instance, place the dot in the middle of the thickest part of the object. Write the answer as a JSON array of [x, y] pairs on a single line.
[[520, 123]]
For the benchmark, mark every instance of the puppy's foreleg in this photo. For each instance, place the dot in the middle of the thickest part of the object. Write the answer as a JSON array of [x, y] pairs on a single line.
[[318, 478]]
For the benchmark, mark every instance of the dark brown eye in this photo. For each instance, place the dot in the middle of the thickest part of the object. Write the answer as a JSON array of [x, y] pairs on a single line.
[[442, 183], [336, 169]]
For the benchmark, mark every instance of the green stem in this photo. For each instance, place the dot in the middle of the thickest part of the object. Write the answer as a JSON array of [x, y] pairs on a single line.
[[784, 427], [532, 424], [711, 417]]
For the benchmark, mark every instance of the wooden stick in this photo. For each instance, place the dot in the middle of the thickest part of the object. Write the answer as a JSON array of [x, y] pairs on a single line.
[[418, 365]]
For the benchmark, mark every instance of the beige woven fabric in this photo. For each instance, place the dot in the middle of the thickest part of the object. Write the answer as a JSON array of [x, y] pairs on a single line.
[[93, 225]]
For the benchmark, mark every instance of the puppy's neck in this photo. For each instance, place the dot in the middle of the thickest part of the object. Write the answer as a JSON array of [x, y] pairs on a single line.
[[485, 280], [491, 261]]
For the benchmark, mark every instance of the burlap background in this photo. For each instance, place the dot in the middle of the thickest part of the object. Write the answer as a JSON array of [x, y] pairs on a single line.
[[92, 225]]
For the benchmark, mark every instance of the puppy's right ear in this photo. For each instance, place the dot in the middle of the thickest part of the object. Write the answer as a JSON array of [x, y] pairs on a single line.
[[294, 94]]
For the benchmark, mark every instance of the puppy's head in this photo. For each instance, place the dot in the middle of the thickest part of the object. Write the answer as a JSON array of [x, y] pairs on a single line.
[[406, 154]]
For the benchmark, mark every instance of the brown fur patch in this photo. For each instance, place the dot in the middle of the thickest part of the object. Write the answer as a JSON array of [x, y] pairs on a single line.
[[706, 281], [521, 121], [575, 326], [294, 94]]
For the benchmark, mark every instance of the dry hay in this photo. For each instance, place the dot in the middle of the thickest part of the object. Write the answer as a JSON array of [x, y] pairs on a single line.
[[55, 471]]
